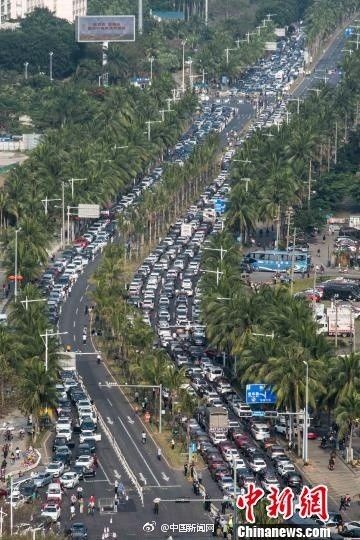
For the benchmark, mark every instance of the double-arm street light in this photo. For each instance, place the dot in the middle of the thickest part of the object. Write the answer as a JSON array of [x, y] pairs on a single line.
[[16, 262], [49, 333]]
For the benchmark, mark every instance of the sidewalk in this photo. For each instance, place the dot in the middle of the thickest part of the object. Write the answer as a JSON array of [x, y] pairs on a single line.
[[340, 481]]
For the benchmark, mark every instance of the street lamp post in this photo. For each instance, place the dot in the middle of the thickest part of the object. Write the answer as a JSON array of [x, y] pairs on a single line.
[[305, 431], [45, 203], [51, 54], [26, 65], [49, 333], [151, 67], [16, 262], [27, 301], [183, 64], [217, 272]]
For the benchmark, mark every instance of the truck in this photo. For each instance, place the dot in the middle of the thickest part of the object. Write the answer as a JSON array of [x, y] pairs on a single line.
[[216, 419], [343, 323]]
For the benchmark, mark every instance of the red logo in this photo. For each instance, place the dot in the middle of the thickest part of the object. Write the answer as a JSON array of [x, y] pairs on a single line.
[[249, 500], [312, 502]]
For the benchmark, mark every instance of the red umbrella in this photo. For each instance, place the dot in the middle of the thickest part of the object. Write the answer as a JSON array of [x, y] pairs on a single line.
[[15, 278]]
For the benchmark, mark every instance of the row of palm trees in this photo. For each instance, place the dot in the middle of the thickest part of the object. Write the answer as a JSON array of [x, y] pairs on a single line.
[[24, 380], [285, 163], [125, 339], [158, 208], [90, 147], [235, 314]]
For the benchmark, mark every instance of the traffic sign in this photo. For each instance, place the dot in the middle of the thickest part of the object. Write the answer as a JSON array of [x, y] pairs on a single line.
[[259, 393], [258, 413], [220, 206], [192, 447]]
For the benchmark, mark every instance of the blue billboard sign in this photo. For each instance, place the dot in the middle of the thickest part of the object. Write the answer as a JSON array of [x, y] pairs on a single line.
[[348, 31], [259, 393], [220, 206]]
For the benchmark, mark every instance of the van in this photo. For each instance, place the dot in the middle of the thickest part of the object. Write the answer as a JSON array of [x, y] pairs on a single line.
[[260, 431]]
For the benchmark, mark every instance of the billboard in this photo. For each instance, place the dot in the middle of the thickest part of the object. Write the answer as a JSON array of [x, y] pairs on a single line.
[[89, 211], [270, 46], [94, 29], [280, 32], [259, 393]]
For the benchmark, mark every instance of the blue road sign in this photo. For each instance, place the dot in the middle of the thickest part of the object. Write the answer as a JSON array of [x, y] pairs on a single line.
[[220, 206], [258, 413], [348, 31], [259, 393]]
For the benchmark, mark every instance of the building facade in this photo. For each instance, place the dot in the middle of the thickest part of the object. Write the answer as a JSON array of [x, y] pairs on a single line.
[[65, 9]]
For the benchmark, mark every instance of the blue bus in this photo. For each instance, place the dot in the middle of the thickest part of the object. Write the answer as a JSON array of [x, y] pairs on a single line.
[[277, 261]]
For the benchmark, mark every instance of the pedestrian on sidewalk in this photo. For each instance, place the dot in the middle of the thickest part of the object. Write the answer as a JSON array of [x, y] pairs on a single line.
[[17, 452], [136, 397], [12, 458], [186, 468], [73, 499], [342, 504], [172, 444], [96, 464], [81, 506], [116, 487]]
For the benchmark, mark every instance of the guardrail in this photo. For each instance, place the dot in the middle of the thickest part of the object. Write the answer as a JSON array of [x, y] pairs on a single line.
[[120, 456]]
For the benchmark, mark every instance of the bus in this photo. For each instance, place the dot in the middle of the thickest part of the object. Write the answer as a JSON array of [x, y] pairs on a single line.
[[277, 261]]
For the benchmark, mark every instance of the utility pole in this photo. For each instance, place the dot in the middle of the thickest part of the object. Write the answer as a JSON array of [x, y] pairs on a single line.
[[63, 215], [246, 180], [278, 228], [72, 180], [292, 263], [336, 143], [309, 184], [46, 201], [27, 301], [16, 263], [183, 64], [140, 17], [206, 12], [336, 325]]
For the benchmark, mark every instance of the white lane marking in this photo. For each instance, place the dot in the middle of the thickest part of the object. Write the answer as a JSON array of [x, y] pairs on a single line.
[[74, 324], [74, 338], [117, 475], [166, 478], [103, 470], [109, 421], [81, 299], [87, 286], [130, 420], [142, 478], [109, 402], [138, 451], [77, 310]]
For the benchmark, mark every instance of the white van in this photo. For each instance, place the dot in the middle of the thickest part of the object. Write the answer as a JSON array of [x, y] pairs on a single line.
[[260, 431]]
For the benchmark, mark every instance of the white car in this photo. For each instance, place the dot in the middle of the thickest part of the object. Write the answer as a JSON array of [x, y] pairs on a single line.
[[84, 461], [54, 493], [349, 525], [285, 467], [257, 464], [87, 434], [52, 511], [269, 481], [63, 422], [17, 500], [64, 432], [69, 479], [55, 469]]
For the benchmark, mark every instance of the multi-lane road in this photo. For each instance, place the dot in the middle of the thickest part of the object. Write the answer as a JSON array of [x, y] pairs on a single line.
[[158, 479]]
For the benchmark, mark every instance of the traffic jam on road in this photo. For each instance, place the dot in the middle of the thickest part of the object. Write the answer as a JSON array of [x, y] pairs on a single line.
[[166, 287]]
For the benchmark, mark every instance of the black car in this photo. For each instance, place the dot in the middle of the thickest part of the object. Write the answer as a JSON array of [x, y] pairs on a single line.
[[244, 477], [58, 443], [84, 449], [78, 531], [293, 480]]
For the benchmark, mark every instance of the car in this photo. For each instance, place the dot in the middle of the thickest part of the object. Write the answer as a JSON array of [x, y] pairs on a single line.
[[54, 493], [293, 480], [52, 511], [257, 463], [43, 478], [352, 533], [84, 461], [69, 479], [78, 531], [349, 525], [285, 468], [55, 468], [65, 433], [87, 435], [225, 481], [269, 481]]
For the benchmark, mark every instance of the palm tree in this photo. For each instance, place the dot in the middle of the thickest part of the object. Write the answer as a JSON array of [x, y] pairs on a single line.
[[9, 351], [344, 376], [347, 415], [36, 390]]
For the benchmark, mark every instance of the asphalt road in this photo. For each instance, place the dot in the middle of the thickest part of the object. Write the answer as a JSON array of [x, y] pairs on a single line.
[[161, 481]]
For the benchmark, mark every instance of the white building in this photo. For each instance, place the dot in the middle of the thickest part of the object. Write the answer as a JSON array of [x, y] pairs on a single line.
[[65, 9]]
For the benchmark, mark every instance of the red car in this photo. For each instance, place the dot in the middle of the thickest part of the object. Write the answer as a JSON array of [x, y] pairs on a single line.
[[241, 441], [312, 436]]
